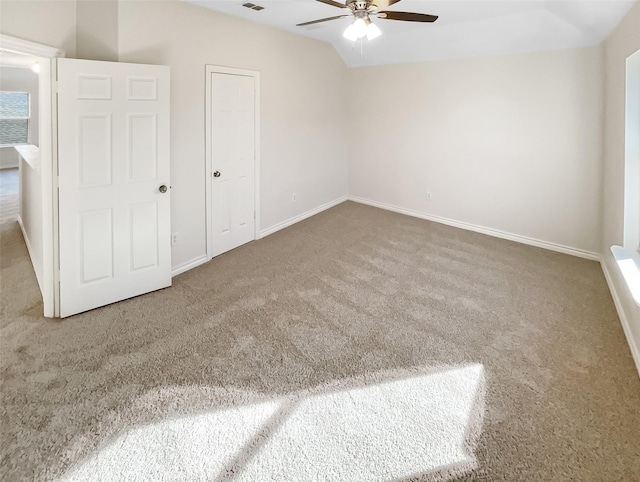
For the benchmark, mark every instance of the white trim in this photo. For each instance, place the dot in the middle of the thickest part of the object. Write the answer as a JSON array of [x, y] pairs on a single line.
[[631, 211], [52, 183], [628, 261], [29, 249], [300, 217], [211, 69], [481, 229], [189, 265], [20, 46], [624, 321]]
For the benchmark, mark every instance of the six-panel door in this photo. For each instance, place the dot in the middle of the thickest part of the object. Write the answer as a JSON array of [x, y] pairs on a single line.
[[233, 160], [113, 155]]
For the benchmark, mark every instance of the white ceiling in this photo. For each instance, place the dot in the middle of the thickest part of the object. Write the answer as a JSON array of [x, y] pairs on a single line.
[[466, 28]]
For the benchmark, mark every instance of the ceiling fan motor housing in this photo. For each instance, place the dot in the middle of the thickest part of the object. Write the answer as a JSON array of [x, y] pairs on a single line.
[[357, 5]]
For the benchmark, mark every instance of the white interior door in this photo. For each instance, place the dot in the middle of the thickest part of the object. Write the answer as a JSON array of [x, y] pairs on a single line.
[[114, 198], [233, 142]]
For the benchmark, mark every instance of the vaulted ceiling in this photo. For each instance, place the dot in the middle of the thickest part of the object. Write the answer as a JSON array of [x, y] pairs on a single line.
[[464, 28]]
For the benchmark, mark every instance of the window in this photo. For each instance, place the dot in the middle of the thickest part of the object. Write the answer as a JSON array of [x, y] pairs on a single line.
[[628, 255], [14, 118], [632, 155]]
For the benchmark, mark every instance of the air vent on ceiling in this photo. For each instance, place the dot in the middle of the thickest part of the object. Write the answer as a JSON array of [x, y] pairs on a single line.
[[252, 6]]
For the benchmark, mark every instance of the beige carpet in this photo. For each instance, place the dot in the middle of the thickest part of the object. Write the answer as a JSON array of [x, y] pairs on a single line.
[[356, 345]]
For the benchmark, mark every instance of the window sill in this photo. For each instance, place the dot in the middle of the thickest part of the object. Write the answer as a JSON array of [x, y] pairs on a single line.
[[30, 154], [629, 263]]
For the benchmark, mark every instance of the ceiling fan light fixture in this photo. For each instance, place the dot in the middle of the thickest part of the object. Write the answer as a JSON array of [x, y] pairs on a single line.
[[373, 31], [360, 27], [350, 33]]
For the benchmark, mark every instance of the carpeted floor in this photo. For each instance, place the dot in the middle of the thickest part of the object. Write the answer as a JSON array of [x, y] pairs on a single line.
[[356, 345]]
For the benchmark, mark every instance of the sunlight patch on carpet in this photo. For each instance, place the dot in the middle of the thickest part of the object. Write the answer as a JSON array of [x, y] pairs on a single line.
[[389, 430]]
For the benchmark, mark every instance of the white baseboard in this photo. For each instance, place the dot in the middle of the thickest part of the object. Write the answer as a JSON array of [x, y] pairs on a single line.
[[300, 217], [189, 265], [626, 325], [29, 249], [481, 229], [265, 232]]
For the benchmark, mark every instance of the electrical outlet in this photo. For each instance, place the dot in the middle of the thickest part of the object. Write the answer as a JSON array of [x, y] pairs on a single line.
[[294, 198], [428, 195], [174, 239]]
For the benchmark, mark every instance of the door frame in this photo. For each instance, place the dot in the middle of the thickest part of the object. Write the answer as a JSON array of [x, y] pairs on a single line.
[[215, 69], [48, 162]]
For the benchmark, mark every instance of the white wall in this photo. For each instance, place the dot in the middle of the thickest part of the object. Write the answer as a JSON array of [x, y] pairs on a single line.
[[509, 143], [31, 209], [622, 43], [303, 109]]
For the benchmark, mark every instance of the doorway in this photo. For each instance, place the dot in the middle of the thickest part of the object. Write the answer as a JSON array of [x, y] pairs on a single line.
[[42, 205], [114, 147], [19, 152], [232, 158]]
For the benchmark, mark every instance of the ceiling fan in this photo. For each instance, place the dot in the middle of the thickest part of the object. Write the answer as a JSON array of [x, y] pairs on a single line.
[[363, 10]]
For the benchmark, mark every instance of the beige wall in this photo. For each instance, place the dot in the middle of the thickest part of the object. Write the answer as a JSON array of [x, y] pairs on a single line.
[[97, 30], [510, 143], [303, 89], [85, 29], [49, 22], [623, 42]]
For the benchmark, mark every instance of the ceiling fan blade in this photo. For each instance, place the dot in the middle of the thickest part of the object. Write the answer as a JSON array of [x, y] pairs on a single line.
[[383, 3], [321, 20], [332, 3], [408, 16]]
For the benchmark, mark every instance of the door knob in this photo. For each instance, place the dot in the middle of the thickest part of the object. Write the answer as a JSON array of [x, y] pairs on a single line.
[[162, 189], [216, 174]]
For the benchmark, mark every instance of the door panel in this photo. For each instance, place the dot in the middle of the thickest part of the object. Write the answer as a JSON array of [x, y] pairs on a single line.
[[225, 206], [144, 236], [96, 245], [233, 155], [113, 151], [142, 88], [142, 143], [93, 87], [95, 163]]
